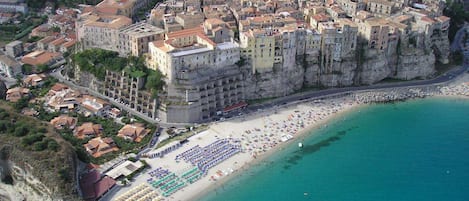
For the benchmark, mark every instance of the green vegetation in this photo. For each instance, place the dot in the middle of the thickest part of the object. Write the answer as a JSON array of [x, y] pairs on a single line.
[[10, 32], [110, 129], [455, 10], [34, 39], [27, 69], [31, 135], [44, 89], [40, 149], [182, 136], [138, 171], [97, 61]]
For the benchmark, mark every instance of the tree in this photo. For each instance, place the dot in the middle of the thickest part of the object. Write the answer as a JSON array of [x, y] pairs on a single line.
[[20, 131], [42, 67], [21, 103], [55, 29], [27, 69]]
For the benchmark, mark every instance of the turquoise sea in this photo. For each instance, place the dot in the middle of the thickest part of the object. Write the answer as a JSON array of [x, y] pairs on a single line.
[[410, 151]]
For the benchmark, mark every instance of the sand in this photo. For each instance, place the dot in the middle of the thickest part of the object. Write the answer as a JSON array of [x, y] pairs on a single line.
[[261, 134]]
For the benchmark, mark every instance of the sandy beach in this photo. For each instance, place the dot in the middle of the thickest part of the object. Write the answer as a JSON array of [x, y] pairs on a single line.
[[262, 133]]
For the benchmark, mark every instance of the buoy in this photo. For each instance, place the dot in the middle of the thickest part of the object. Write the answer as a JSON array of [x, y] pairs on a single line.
[[300, 145]]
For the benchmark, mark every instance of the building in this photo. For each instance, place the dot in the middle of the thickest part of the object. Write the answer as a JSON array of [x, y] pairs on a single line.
[[9, 66], [133, 132], [351, 7], [42, 58], [15, 94], [339, 39], [134, 39], [258, 46], [34, 80], [13, 6], [114, 113], [94, 186], [97, 30], [61, 98], [43, 44], [202, 75], [189, 20], [14, 49], [376, 32], [382, 8], [127, 8], [88, 130], [63, 122], [124, 169], [93, 106], [98, 146]]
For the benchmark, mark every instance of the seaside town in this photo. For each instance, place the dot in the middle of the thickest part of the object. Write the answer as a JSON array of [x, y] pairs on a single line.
[[166, 100]]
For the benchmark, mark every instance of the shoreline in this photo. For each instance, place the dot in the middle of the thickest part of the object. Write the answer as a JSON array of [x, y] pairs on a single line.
[[277, 121], [311, 129]]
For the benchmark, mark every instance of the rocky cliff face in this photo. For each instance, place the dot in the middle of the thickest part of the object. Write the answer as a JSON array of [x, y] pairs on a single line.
[[372, 67], [26, 174]]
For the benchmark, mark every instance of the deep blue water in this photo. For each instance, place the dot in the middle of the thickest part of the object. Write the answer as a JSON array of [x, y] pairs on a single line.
[[409, 151]]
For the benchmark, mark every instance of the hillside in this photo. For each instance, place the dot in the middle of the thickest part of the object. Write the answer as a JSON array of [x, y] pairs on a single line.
[[35, 162]]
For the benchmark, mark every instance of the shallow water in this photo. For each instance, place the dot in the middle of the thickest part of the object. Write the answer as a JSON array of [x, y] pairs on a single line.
[[414, 150]]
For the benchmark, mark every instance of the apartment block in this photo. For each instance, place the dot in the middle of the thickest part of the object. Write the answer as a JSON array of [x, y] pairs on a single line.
[[134, 39], [258, 46], [202, 75], [382, 8], [376, 31], [339, 39], [96, 30], [14, 49], [351, 7], [13, 6]]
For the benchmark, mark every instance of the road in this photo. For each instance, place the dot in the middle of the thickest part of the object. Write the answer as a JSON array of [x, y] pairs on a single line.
[[316, 94], [287, 99], [57, 74]]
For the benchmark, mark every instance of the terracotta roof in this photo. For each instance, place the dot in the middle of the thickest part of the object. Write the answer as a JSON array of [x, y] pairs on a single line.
[[39, 57], [15, 94], [63, 121], [33, 79], [99, 146], [135, 132], [88, 129], [94, 186], [58, 87]]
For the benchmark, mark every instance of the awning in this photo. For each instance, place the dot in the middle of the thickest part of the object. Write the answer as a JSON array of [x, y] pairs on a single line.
[[235, 106]]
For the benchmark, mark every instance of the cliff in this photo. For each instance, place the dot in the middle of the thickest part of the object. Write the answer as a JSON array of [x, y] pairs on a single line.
[[29, 172], [401, 61]]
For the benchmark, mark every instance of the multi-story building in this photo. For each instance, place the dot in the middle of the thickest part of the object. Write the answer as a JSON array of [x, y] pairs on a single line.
[[96, 30], [13, 6], [339, 39], [202, 75], [376, 32], [14, 49], [189, 19], [258, 46], [117, 7], [380, 7], [134, 39], [9, 67], [351, 7]]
